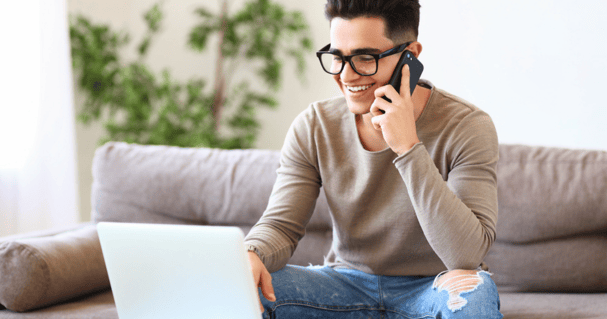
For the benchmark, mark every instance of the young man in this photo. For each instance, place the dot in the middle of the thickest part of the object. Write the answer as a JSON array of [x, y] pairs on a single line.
[[411, 185]]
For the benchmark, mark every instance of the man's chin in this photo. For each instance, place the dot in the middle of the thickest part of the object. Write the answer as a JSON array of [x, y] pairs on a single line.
[[358, 108]]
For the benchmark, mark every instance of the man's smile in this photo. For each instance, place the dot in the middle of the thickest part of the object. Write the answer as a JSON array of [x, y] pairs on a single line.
[[358, 88]]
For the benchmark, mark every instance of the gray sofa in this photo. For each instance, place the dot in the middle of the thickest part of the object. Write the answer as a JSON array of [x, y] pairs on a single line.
[[549, 261]]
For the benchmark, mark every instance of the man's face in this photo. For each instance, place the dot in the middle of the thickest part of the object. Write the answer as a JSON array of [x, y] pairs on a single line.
[[362, 35]]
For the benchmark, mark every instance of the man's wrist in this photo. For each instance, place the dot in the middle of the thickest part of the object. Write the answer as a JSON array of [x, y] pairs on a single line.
[[253, 249], [404, 150]]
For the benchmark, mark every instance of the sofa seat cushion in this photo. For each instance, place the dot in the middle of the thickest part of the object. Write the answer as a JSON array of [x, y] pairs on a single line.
[[38, 272], [94, 306], [553, 305], [513, 306]]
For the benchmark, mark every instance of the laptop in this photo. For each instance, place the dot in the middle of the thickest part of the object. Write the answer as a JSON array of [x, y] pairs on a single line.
[[178, 271]]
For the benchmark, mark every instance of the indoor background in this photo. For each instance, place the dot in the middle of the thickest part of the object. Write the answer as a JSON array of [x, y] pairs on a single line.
[[537, 67]]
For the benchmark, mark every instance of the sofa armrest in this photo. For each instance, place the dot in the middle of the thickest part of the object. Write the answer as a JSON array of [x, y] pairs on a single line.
[[45, 232], [38, 271]]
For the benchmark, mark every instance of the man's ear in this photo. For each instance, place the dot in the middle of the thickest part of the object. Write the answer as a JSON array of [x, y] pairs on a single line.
[[415, 48]]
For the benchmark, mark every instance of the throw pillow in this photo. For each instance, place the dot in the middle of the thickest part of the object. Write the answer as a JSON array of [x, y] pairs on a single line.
[[38, 272]]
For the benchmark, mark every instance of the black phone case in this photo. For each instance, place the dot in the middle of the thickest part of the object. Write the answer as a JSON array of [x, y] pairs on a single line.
[[415, 69]]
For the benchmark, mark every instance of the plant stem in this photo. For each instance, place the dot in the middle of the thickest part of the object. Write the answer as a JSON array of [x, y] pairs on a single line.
[[220, 85]]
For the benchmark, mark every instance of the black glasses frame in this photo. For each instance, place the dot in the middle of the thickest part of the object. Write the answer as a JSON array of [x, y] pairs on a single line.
[[348, 58]]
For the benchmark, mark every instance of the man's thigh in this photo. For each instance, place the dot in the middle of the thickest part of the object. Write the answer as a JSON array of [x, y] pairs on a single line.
[[318, 292], [456, 294]]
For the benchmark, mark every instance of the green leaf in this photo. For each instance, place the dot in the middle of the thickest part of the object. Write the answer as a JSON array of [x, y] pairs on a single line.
[[143, 47], [204, 13], [153, 17], [306, 43], [199, 36]]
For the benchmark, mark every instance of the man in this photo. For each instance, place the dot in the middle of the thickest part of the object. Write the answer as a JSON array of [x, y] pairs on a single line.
[[411, 185]]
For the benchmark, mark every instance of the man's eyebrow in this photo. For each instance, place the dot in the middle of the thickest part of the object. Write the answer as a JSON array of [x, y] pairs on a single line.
[[358, 51]]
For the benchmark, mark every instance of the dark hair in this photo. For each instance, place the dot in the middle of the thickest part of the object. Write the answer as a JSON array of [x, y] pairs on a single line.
[[401, 16]]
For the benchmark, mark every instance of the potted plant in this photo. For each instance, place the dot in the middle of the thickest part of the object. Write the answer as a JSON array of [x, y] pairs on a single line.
[[137, 106]]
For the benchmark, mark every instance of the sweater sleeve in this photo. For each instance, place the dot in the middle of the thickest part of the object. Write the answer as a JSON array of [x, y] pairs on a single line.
[[276, 235], [457, 215]]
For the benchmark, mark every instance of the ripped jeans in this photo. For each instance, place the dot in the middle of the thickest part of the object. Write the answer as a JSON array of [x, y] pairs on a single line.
[[324, 292]]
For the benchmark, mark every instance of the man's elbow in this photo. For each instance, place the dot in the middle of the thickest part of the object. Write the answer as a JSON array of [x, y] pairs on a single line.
[[473, 258]]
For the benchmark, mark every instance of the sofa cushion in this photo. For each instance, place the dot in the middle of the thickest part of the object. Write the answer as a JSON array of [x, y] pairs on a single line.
[[165, 184], [94, 306], [576, 264], [552, 220], [553, 305], [37, 272], [547, 193]]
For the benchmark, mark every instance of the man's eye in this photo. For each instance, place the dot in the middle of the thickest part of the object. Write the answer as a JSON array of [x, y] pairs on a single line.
[[365, 58]]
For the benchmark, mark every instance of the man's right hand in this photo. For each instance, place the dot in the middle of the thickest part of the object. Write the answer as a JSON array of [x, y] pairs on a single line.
[[261, 277]]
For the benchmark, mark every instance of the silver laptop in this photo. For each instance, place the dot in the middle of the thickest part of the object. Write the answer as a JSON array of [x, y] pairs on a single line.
[[177, 271]]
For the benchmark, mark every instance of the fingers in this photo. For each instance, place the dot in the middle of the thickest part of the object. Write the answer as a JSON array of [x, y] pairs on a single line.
[[380, 105], [266, 286], [376, 120], [377, 108], [258, 284], [265, 282], [404, 82], [262, 278], [388, 91]]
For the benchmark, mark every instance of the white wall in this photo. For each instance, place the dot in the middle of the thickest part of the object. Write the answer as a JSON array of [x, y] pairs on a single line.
[[536, 66]]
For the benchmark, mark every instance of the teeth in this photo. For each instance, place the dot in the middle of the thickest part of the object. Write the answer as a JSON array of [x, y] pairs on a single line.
[[358, 88]]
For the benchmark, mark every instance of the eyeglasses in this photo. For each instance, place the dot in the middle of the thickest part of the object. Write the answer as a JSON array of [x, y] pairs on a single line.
[[364, 64]]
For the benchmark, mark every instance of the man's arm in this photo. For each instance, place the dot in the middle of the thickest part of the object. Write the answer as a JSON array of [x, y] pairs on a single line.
[[276, 235], [458, 216]]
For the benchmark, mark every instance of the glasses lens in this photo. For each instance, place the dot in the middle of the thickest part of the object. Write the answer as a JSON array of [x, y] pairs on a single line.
[[364, 64], [331, 63]]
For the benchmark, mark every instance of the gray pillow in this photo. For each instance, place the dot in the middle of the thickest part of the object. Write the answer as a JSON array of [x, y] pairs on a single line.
[[37, 272]]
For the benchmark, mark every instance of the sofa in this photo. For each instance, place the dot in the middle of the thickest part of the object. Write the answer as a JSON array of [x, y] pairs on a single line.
[[549, 259]]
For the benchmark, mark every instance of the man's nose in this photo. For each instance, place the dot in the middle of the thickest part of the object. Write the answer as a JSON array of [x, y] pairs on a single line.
[[348, 74]]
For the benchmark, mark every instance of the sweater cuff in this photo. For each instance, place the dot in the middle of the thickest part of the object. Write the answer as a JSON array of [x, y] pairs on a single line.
[[408, 153], [258, 247], [252, 246], [253, 249]]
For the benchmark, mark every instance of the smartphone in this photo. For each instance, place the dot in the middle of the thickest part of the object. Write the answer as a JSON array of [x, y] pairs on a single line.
[[415, 69]]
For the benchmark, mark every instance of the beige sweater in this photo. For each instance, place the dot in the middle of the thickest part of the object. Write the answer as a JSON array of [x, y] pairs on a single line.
[[431, 209]]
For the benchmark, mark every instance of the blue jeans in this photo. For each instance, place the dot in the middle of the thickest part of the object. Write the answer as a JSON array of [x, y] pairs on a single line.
[[324, 292]]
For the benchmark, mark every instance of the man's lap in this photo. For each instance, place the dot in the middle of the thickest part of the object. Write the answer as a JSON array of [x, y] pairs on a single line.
[[324, 292]]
